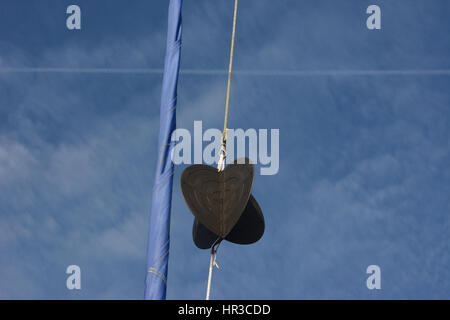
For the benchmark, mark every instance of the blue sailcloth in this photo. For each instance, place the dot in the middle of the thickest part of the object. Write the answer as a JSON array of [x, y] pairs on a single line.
[[158, 239]]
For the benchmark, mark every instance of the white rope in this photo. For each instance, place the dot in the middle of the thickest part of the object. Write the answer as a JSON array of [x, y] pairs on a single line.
[[212, 264], [208, 289]]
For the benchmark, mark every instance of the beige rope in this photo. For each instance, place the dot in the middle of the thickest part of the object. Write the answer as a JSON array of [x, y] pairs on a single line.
[[223, 153]]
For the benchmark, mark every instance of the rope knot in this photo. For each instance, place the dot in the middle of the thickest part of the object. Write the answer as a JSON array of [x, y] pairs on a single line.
[[222, 157]]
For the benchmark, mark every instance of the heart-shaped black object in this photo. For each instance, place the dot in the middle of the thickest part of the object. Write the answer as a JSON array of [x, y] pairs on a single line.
[[249, 228], [217, 199]]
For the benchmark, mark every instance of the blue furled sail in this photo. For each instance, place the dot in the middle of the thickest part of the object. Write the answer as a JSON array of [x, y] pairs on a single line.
[[158, 239]]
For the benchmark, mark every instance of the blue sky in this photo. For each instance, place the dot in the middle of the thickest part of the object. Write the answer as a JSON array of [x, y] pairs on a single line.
[[364, 160]]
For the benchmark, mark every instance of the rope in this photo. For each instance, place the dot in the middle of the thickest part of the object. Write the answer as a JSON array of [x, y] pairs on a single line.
[[212, 263], [223, 151], [221, 163]]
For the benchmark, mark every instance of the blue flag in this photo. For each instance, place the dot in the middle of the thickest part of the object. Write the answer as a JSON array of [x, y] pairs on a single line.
[[158, 239]]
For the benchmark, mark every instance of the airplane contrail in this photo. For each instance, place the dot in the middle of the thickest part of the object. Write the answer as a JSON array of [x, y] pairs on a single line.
[[213, 72], [82, 70], [303, 73]]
